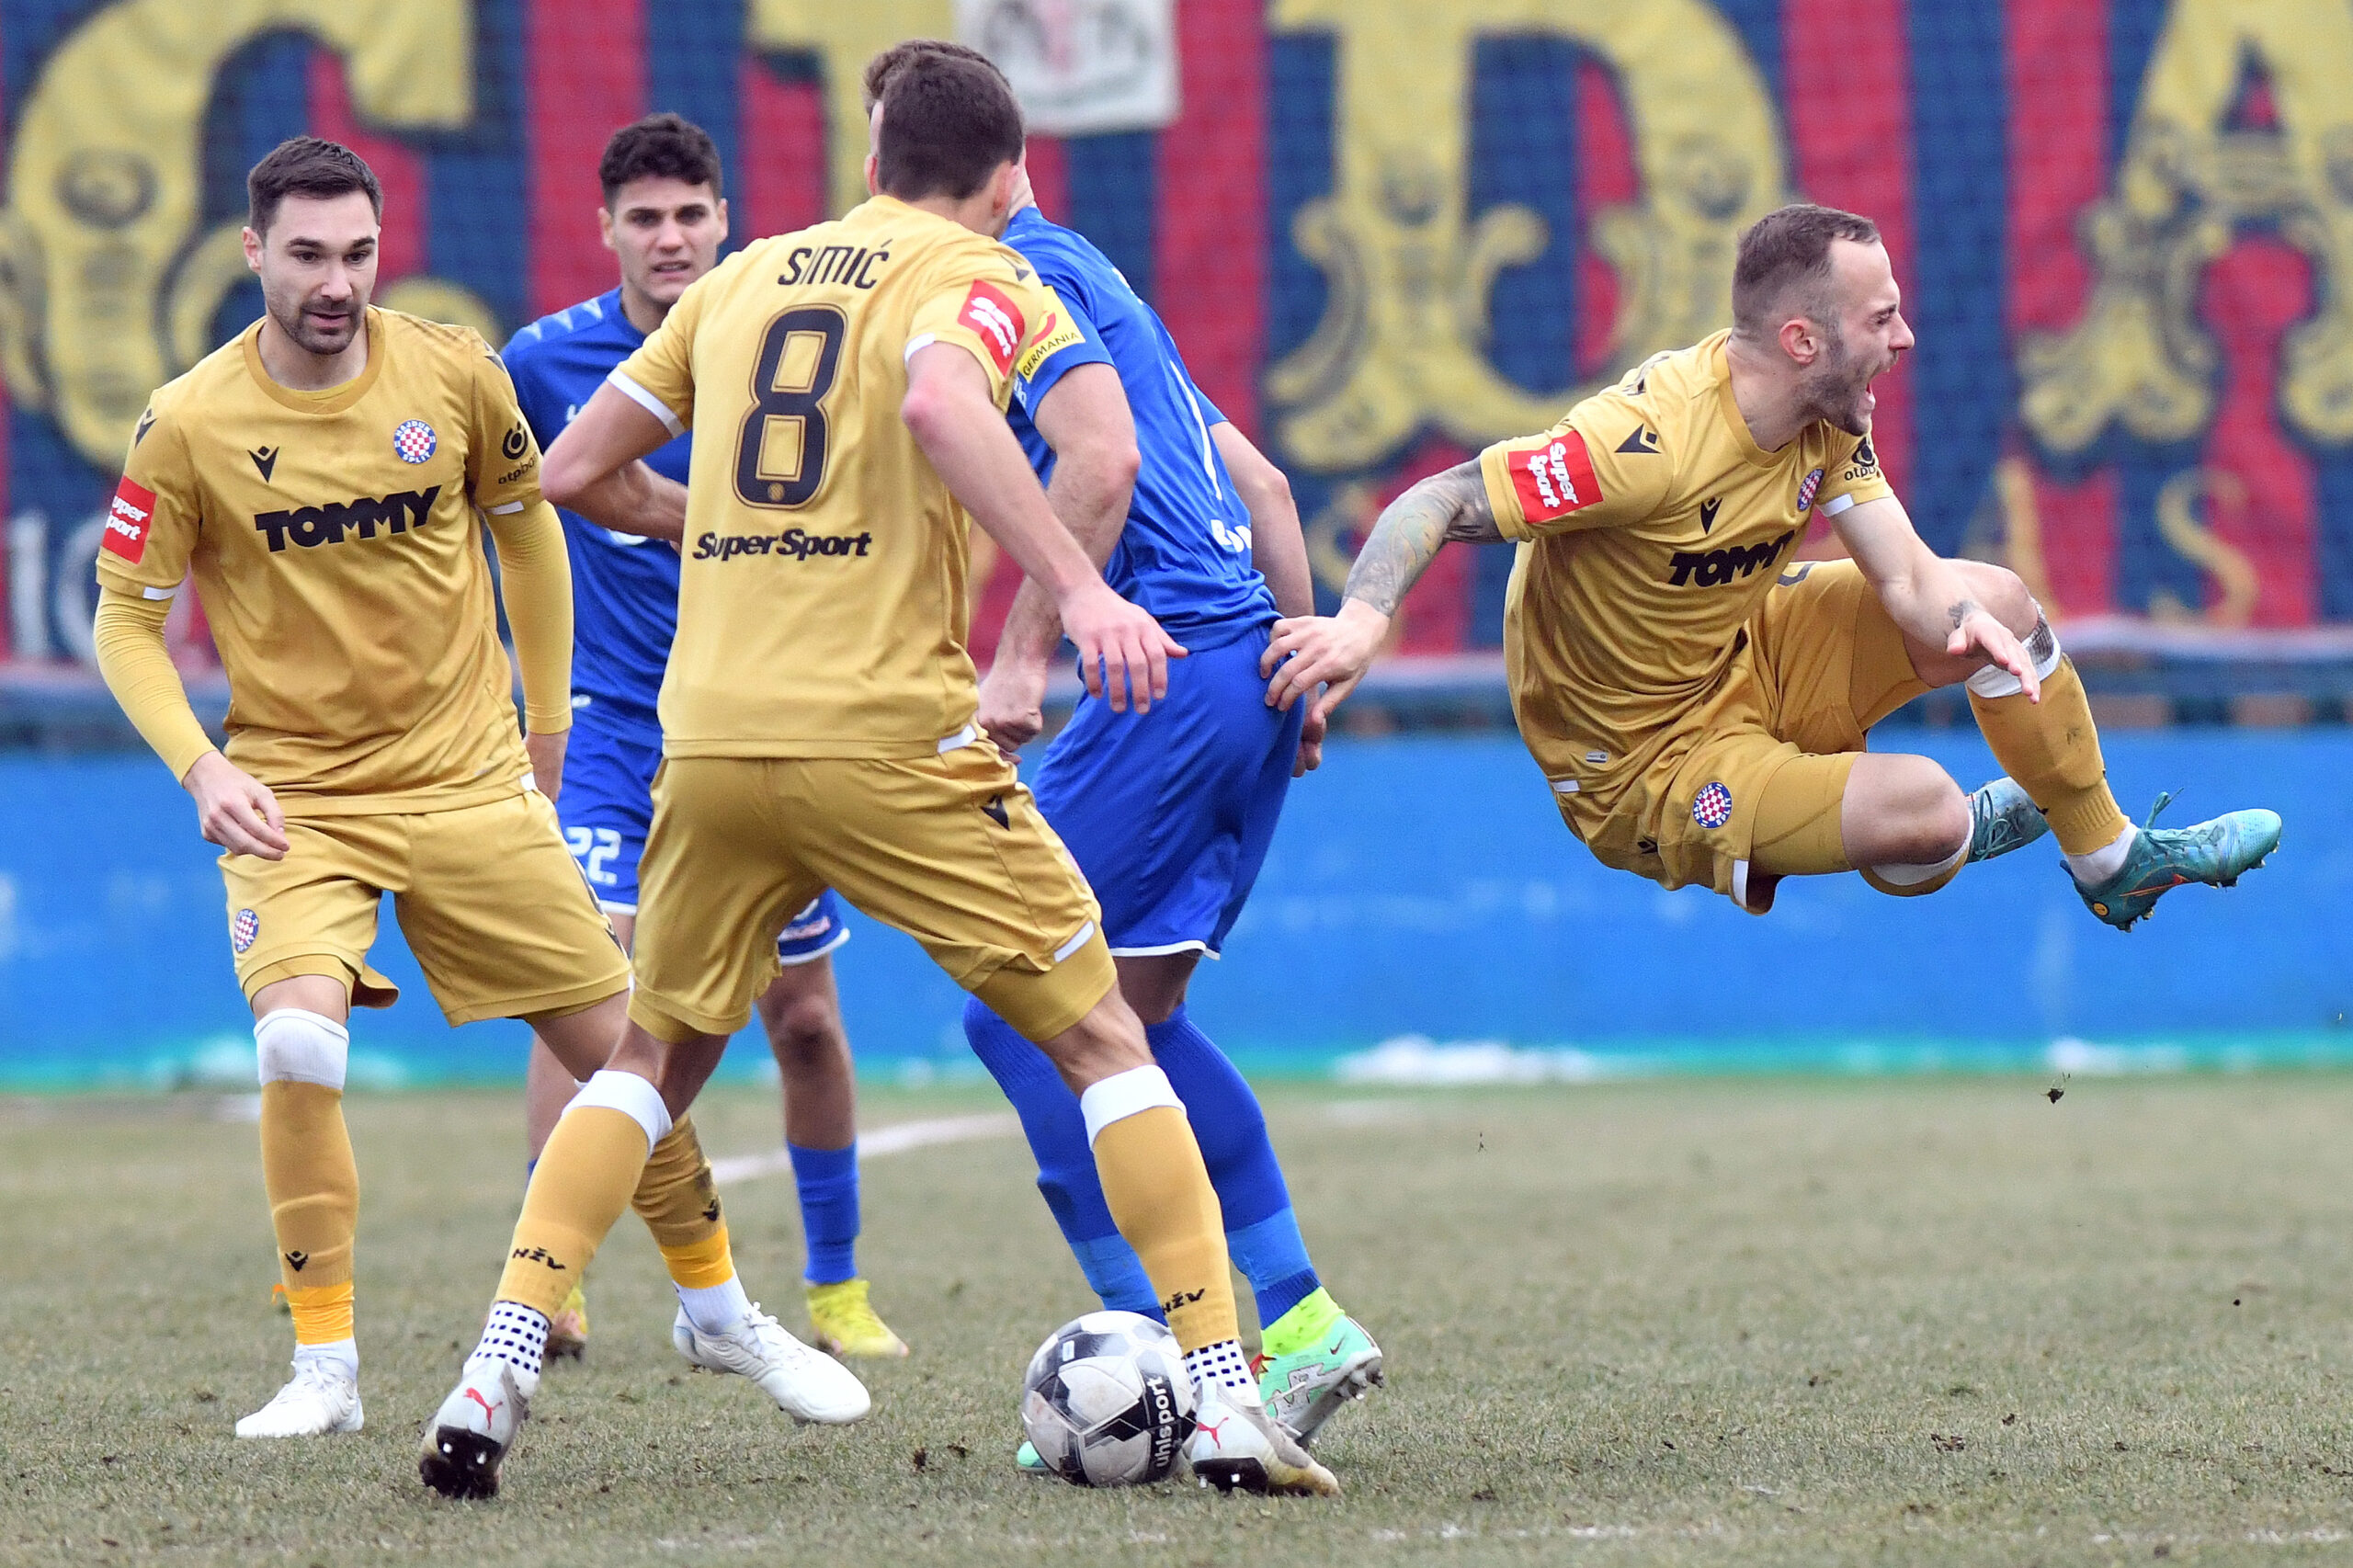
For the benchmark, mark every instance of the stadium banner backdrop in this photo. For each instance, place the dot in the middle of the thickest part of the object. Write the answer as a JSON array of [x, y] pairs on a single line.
[[1384, 232], [1423, 917]]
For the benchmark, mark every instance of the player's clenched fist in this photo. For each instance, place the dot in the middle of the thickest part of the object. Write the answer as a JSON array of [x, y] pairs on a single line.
[[1122, 652], [235, 810], [1331, 652]]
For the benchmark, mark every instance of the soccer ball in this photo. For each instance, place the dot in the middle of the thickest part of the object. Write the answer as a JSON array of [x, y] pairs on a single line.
[[1107, 1402]]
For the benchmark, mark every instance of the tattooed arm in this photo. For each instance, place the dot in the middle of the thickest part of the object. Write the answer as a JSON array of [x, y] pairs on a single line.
[[1335, 651]]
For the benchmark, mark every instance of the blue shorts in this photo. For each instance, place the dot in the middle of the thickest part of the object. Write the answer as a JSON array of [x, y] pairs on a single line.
[[1169, 813], [606, 806]]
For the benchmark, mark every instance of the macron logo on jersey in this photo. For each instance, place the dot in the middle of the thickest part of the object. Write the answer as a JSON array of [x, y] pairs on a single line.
[[128, 520], [998, 320], [1555, 478]]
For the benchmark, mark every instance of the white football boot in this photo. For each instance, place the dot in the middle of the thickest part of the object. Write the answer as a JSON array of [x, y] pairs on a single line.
[[1235, 1443], [322, 1397], [806, 1384], [470, 1436]]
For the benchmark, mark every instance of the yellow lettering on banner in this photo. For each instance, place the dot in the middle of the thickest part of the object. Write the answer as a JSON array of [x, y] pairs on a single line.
[[104, 177], [1402, 342], [844, 36], [2188, 182]]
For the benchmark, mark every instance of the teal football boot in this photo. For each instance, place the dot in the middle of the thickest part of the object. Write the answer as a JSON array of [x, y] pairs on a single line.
[[2216, 853], [2001, 818]]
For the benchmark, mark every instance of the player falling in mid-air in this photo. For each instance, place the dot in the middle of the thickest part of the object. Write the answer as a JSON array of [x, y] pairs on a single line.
[[665, 218], [1702, 714], [319, 478], [1168, 813], [818, 730]]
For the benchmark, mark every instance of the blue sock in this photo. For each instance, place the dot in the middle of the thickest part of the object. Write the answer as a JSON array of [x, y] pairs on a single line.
[[1057, 1135], [1261, 1232], [828, 1182]]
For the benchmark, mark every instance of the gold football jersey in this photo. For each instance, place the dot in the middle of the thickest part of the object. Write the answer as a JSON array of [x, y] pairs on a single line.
[[1651, 526], [822, 604], [333, 541]]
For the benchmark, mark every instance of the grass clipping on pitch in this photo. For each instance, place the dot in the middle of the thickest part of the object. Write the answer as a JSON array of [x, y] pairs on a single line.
[[1758, 1323]]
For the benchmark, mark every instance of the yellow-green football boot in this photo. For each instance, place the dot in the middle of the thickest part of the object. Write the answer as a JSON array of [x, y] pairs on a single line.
[[847, 1325]]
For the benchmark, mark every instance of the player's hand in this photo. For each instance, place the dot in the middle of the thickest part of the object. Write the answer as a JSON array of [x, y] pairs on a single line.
[[1122, 652], [1980, 634], [234, 808], [1331, 652], [546, 753], [1013, 701], [1311, 746]]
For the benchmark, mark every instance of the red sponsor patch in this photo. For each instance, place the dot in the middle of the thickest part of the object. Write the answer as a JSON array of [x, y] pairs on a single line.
[[1555, 478], [130, 520], [998, 322]]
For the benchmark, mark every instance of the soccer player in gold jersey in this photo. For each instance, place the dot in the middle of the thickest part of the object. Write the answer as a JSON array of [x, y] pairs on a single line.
[[848, 384], [318, 478], [1699, 709]]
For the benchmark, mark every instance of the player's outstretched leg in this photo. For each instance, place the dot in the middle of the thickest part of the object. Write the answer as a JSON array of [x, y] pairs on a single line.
[[1313, 1358], [2052, 749], [719, 1328], [1153, 1180], [314, 1187], [802, 1015], [547, 1089]]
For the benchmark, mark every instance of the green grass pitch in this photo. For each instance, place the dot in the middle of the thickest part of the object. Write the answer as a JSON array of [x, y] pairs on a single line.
[[1754, 1321]]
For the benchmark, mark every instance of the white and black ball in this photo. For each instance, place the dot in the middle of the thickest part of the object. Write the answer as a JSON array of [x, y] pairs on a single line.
[[1107, 1402]]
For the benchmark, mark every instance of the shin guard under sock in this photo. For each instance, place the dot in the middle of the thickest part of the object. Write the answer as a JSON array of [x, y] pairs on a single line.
[[592, 1164], [2050, 748], [826, 1181], [314, 1187], [679, 1203], [1156, 1188]]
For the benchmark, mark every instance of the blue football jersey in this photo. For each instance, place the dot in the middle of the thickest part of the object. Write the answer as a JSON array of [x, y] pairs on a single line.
[[1185, 552], [624, 586]]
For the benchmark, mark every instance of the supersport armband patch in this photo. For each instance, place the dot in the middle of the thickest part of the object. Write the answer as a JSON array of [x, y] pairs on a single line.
[[1555, 478], [993, 316], [130, 520]]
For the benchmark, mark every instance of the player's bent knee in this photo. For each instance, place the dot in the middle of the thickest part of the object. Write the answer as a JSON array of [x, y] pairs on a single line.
[[293, 1045]]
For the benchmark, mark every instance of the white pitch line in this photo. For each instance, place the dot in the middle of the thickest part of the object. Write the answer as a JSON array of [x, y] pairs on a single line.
[[895, 1139]]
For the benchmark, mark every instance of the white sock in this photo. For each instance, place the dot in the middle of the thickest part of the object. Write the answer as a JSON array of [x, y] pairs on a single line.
[[1222, 1366], [1912, 876], [517, 1336], [2103, 862], [717, 1308], [343, 1352]]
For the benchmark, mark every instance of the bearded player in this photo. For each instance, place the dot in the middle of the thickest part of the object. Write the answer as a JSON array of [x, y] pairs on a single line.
[[1700, 711], [818, 724], [664, 219], [1169, 813], [318, 478]]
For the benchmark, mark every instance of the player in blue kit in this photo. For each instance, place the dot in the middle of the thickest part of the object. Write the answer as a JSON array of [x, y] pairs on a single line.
[[1168, 813], [665, 218]]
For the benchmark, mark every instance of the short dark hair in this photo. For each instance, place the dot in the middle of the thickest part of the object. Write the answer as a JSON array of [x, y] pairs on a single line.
[[660, 146], [892, 61], [947, 123], [1789, 248], [306, 166]]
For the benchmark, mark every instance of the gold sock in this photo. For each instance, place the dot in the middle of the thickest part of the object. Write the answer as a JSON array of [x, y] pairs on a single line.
[[679, 1203], [580, 1186], [2052, 749], [1159, 1194], [314, 1187]]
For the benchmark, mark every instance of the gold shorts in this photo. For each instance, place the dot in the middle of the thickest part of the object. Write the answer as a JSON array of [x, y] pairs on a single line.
[[491, 901], [950, 849], [1818, 667]]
